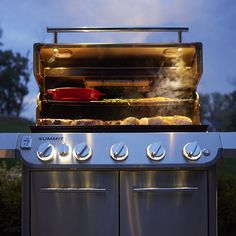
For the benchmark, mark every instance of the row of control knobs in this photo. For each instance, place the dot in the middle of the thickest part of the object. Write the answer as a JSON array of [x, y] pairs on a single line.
[[47, 152], [118, 151]]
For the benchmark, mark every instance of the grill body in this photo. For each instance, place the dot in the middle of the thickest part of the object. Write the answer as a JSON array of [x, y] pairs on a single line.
[[136, 196]]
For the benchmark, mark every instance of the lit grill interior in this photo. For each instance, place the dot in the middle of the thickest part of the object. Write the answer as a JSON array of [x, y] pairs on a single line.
[[125, 73]]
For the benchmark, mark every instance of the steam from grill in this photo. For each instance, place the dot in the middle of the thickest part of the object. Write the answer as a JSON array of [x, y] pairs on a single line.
[[173, 82]]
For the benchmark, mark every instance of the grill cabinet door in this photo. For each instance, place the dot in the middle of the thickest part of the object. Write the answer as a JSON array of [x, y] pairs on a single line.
[[163, 203], [74, 203]]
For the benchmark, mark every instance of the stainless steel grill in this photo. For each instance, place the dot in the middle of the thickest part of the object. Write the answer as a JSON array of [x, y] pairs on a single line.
[[119, 183], [109, 179]]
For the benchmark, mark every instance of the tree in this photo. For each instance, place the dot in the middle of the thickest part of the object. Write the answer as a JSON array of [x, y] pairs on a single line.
[[14, 77], [0, 36], [219, 111]]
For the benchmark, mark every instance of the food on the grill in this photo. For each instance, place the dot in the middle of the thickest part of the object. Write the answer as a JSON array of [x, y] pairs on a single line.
[[130, 121], [181, 120], [160, 120], [157, 120], [112, 122], [143, 121], [141, 100], [86, 122]]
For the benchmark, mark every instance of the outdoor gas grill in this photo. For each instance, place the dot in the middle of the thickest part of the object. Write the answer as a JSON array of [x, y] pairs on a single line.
[[118, 148]]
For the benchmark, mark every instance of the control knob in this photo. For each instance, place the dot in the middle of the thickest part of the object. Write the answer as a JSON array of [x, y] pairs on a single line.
[[119, 151], [82, 152], [192, 151], [64, 150], [46, 152], [156, 151]]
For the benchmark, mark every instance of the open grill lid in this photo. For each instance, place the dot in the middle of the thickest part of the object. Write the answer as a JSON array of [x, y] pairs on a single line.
[[119, 65]]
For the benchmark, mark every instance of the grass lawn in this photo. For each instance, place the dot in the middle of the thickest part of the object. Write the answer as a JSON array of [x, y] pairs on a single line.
[[230, 166]]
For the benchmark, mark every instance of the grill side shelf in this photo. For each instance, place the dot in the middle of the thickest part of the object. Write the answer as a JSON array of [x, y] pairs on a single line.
[[228, 142], [8, 145]]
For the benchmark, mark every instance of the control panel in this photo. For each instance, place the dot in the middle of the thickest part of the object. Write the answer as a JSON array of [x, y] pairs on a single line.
[[104, 150]]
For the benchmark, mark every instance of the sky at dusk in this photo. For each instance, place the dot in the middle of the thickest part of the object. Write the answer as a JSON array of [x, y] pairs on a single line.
[[211, 22]]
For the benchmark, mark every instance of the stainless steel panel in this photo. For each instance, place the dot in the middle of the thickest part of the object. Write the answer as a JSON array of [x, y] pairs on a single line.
[[136, 143], [163, 212], [74, 203]]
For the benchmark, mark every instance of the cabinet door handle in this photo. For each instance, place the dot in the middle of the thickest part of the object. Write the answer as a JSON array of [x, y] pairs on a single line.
[[73, 190], [172, 189]]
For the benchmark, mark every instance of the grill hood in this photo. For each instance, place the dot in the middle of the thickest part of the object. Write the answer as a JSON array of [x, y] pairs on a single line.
[[118, 65], [136, 80]]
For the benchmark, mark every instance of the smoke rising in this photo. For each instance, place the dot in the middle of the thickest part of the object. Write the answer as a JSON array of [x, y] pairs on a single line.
[[175, 81]]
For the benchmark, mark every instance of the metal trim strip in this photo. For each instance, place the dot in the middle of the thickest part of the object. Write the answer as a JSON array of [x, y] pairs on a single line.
[[168, 189], [73, 190]]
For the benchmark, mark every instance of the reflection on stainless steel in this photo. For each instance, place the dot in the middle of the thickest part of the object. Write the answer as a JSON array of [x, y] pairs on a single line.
[[169, 189], [154, 210], [73, 206], [75, 190]]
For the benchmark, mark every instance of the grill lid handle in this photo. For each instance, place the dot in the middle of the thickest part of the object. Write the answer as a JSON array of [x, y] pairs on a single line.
[[167, 189], [55, 31]]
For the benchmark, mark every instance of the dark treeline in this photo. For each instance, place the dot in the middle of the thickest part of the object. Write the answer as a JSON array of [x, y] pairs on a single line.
[[219, 111], [14, 78]]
